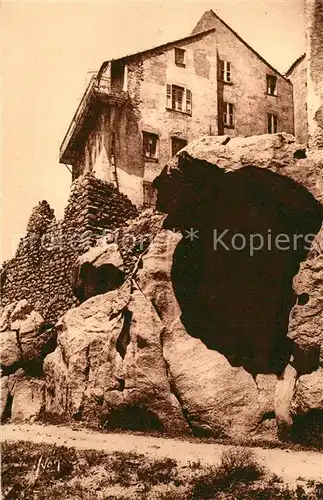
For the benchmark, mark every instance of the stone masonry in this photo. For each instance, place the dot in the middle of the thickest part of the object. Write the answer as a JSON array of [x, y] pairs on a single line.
[[41, 269]]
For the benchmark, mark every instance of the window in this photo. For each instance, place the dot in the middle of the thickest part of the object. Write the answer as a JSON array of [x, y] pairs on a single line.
[[228, 115], [149, 194], [149, 143], [178, 99], [225, 67], [271, 85], [179, 56], [177, 145], [272, 124], [117, 76]]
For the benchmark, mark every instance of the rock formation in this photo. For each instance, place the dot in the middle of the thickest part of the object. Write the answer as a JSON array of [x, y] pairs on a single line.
[[175, 335], [235, 291]]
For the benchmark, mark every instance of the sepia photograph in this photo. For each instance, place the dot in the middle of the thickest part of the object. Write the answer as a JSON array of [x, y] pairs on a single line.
[[161, 266]]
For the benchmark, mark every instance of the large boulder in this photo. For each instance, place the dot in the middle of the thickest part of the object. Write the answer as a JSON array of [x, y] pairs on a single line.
[[307, 409], [28, 400], [308, 394], [10, 353], [25, 337], [25, 341], [110, 365], [279, 153], [22, 397], [210, 390]]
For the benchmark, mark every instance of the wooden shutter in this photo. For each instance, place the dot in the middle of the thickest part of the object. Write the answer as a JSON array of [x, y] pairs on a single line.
[[222, 70], [188, 101], [168, 96], [231, 115], [228, 72], [269, 123], [225, 112]]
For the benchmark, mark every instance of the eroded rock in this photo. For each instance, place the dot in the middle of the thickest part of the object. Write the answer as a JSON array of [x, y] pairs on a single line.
[[10, 353], [308, 394], [209, 389], [282, 400], [28, 400], [114, 365], [98, 271], [231, 278], [27, 338]]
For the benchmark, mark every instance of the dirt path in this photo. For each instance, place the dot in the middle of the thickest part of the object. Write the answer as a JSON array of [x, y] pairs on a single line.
[[288, 464]]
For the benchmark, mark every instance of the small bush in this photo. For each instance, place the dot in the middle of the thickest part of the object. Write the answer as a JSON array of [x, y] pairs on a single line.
[[238, 466], [196, 465], [162, 471]]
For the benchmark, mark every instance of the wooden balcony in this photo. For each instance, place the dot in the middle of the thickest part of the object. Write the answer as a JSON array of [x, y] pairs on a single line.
[[96, 93]]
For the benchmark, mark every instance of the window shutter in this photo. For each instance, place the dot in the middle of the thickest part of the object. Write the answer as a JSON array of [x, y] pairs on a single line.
[[188, 101], [222, 69], [231, 114], [228, 72], [168, 96]]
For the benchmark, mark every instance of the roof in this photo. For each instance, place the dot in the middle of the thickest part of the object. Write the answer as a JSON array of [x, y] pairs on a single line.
[[295, 63], [158, 47], [211, 12]]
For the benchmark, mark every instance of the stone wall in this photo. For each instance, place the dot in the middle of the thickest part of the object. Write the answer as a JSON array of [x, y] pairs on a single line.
[[41, 269], [314, 64]]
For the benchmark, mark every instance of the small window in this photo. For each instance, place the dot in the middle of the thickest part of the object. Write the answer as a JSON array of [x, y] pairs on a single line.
[[228, 119], [272, 124], [149, 142], [179, 57], [225, 71], [177, 145], [149, 195], [178, 99], [271, 85]]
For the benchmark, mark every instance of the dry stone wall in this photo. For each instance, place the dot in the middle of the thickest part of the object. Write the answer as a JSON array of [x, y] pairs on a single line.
[[41, 269]]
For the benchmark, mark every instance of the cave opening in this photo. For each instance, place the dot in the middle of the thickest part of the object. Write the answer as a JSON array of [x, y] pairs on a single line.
[[133, 417], [94, 280], [307, 428], [236, 290]]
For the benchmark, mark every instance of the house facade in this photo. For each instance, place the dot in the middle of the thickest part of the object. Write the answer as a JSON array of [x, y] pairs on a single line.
[[297, 74], [139, 110]]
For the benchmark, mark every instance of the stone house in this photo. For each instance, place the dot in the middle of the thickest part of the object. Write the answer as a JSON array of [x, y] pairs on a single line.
[[139, 110], [297, 74]]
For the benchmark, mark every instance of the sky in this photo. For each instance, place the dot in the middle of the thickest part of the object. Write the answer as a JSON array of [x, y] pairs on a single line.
[[48, 49]]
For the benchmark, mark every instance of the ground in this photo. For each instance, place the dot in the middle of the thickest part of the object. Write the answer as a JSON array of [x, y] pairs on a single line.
[[147, 457]]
